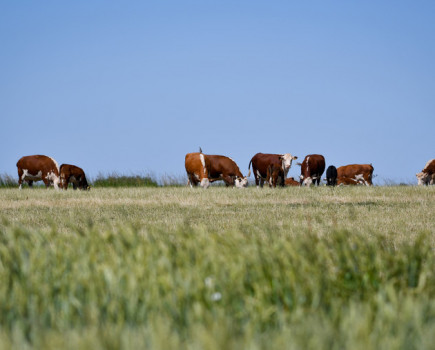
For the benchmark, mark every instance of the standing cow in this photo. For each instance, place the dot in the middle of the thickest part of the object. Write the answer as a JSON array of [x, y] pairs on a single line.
[[197, 167], [75, 175], [312, 169], [262, 161], [226, 169], [275, 175], [36, 168], [427, 175], [355, 174], [331, 176]]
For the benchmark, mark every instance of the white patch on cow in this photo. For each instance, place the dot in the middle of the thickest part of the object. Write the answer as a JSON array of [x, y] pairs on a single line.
[[258, 174], [55, 163], [205, 183], [29, 177], [307, 181], [241, 182], [201, 157], [196, 176], [52, 177]]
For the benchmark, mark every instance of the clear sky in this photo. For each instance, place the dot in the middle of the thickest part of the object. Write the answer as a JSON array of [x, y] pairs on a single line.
[[132, 86]]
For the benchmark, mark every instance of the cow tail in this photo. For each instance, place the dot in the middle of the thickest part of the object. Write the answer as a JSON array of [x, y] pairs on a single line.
[[249, 169]]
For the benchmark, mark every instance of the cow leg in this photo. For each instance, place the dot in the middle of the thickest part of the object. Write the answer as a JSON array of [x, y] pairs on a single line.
[[229, 181], [254, 171], [261, 182], [30, 182], [20, 178], [47, 183], [193, 181]]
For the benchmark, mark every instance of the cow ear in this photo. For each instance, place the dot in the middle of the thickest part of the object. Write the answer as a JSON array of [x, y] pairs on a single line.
[[295, 157]]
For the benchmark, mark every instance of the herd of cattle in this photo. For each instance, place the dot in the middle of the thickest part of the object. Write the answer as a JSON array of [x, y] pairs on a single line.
[[203, 169]]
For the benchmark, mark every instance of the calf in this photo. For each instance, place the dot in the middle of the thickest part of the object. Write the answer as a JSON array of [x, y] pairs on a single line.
[[290, 181], [261, 162], [197, 167], [312, 169], [331, 176], [226, 169], [275, 175], [75, 175], [36, 168], [427, 175], [355, 174]]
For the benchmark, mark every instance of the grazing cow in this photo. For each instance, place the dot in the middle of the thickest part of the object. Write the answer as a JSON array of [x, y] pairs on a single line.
[[36, 168], [275, 175], [290, 181], [331, 176], [226, 169], [75, 175], [261, 161], [198, 169], [355, 174], [312, 169], [427, 175]]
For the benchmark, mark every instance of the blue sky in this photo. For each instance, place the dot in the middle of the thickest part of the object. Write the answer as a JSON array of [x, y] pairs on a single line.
[[133, 86]]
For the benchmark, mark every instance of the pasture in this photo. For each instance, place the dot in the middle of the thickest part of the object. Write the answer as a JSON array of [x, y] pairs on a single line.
[[222, 268]]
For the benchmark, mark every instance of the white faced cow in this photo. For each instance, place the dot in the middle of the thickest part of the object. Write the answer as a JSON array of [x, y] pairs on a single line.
[[37, 168], [262, 161]]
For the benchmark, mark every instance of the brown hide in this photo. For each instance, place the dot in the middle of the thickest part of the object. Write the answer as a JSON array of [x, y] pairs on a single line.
[[223, 168], [261, 162], [197, 173], [290, 181], [355, 174], [312, 167], [36, 168], [275, 175], [75, 175]]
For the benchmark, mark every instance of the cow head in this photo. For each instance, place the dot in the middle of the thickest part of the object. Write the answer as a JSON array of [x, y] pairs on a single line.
[[306, 181], [422, 178], [241, 182], [286, 160], [83, 184]]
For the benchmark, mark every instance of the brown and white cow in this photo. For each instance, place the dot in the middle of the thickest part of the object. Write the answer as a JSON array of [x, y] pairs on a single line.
[[275, 175], [197, 167], [75, 175], [355, 174], [226, 169], [37, 168], [312, 169], [262, 161], [290, 181], [427, 175]]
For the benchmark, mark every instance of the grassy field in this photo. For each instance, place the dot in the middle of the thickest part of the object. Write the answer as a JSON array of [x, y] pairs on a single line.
[[181, 268]]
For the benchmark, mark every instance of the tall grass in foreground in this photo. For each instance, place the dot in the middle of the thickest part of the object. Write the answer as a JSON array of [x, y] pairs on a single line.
[[197, 288]]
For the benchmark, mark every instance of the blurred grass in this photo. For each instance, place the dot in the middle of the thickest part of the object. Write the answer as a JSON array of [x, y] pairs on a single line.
[[218, 269]]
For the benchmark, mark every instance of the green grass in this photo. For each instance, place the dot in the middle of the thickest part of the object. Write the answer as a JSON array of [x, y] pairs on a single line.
[[117, 180], [183, 268]]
